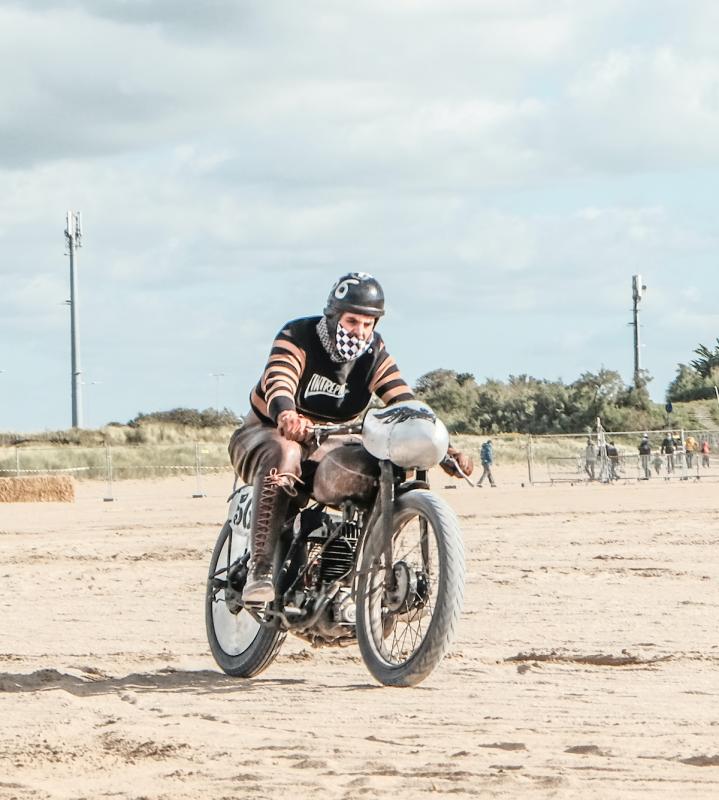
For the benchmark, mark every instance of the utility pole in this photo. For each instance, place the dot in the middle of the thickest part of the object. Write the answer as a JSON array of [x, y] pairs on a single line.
[[637, 289], [73, 237]]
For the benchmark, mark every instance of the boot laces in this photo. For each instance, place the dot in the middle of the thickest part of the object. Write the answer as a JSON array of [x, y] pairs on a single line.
[[265, 510], [285, 480]]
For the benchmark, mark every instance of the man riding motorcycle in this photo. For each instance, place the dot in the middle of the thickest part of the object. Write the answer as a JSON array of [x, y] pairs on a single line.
[[321, 369]]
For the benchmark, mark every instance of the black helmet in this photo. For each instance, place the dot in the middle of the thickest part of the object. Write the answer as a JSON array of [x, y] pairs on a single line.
[[358, 292]]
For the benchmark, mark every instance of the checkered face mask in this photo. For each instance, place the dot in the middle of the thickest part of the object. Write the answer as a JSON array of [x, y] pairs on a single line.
[[349, 346]]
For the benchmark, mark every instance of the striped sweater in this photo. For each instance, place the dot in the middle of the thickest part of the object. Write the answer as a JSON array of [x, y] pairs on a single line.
[[300, 375]]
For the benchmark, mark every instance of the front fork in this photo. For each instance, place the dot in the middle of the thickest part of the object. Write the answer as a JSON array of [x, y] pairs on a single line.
[[386, 507], [386, 516]]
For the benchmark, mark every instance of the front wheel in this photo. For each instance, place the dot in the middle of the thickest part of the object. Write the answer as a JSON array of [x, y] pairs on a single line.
[[240, 645], [411, 590]]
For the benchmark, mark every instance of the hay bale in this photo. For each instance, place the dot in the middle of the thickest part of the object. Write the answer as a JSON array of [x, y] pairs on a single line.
[[37, 489]]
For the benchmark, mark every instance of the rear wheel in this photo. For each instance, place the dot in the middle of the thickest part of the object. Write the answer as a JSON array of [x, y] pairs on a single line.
[[241, 646], [410, 593]]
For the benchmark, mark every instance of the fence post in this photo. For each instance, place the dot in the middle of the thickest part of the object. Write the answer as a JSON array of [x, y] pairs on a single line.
[[530, 457], [198, 471], [108, 498]]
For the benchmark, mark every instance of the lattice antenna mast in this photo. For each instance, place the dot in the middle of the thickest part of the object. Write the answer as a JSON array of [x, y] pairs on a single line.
[[73, 239], [637, 290]]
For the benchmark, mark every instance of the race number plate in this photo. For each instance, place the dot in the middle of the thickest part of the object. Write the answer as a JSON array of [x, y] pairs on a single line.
[[240, 513]]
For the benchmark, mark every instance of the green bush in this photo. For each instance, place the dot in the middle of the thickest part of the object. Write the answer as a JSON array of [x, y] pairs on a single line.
[[161, 427], [189, 417], [689, 384], [530, 405]]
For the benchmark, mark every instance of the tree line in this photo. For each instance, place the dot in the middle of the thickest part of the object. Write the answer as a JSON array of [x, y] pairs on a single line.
[[521, 404], [524, 404], [696, 380]]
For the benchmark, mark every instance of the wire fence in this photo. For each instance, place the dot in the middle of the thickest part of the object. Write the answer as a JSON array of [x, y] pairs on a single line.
[[606, 457], [599, 457], [113, 463]]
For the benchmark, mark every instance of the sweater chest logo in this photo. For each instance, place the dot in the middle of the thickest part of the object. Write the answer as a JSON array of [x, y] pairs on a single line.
[[319, 384]]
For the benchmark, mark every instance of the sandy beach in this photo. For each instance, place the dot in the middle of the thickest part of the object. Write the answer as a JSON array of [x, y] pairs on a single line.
[[587, 663]]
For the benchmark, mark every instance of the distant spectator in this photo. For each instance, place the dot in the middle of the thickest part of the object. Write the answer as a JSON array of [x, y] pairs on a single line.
[[705, 449], [668, 447], [613, 458], [679, 455], [690, 447], [645, 452], [486, 456], [590, 459], [657, 463]]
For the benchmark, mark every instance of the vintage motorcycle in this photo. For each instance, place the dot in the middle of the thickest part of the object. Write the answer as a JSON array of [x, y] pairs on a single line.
[[372, 558]]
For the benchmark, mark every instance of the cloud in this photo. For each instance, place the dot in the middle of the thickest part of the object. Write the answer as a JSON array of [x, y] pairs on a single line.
[[644, 109], [503, 167], [343, 86], [98, 90]]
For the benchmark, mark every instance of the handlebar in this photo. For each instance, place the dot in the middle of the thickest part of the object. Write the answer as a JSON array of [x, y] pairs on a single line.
[[452, 461], [323, 432]]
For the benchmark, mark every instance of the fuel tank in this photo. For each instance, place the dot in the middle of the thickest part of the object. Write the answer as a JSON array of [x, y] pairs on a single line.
[[347, 472]]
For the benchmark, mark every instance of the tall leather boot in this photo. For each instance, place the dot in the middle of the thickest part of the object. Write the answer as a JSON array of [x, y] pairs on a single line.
[[272, 493]]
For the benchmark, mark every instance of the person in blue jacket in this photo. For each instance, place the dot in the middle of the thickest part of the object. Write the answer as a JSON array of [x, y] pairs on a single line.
[[486, 456]]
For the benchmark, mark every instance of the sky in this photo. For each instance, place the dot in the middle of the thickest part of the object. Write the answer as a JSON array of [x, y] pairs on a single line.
[[502, 167]]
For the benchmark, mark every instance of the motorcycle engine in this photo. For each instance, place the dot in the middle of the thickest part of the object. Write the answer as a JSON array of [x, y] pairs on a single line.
[[331, 545], [336, 559]]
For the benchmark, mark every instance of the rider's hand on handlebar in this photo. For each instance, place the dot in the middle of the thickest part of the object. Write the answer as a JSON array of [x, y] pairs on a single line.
[[293, 426], [463, 461]]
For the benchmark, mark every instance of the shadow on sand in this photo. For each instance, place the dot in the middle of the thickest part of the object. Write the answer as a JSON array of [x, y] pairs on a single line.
[[92, 682]]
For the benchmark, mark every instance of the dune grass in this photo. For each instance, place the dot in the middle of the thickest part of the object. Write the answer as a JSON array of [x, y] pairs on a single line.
[[123, 461], [155, 450]]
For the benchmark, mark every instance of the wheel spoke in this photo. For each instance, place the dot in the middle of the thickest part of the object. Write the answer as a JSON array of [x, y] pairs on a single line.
[[405, 556], [407, 631], [414, 635], [234, 631], [419, 626], [397, 651], [394, 639], [414, 547], [430, 597], [405, 628]]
